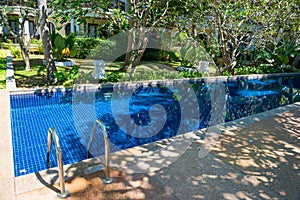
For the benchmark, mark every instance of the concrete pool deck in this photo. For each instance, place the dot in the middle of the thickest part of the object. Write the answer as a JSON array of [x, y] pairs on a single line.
[[257, 157]]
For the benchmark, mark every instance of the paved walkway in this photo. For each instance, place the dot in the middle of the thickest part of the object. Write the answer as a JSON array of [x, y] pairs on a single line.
[[255, 158], [6, 149]]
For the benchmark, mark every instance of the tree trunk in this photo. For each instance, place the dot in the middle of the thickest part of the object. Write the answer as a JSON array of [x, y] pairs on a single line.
[[129, 57], [24, 48], [45, 33], [26, 60], [194, 29], [25, 55], [135, 62], [137, 44]]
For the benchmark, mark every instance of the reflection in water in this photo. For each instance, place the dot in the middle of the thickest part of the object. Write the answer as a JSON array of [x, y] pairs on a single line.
[[244, 97], [73, 114]]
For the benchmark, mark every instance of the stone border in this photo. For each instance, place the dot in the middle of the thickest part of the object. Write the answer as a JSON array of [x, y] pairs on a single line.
[[10, 77], [7, 177], [157, 82]]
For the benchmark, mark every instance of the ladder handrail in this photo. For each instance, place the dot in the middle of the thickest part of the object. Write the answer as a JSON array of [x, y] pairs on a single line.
[[107, 178], [52, 135]]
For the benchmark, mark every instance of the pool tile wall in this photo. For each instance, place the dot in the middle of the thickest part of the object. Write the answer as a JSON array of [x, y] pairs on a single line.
[[32, 115]]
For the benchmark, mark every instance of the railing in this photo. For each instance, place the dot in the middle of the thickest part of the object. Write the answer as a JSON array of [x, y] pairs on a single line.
[[107, 178], [52, 134]]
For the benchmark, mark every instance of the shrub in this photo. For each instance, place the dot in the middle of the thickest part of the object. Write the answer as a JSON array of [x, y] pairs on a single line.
[[63, 47], [264, 69], [14, 51], [66, 76], [190, 74], [104, 51], [152, 55], [248, 70], [85, 47]]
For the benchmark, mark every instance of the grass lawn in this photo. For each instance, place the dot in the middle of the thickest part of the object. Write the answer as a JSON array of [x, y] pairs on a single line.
[[146, 70], [2, 69], [33, 78]]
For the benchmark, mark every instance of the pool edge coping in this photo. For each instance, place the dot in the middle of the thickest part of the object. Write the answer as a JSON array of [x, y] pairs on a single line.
[[7, 179], [208, 79]]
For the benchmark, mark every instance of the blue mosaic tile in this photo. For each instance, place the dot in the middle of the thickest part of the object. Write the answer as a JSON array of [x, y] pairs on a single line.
[[33, 114]]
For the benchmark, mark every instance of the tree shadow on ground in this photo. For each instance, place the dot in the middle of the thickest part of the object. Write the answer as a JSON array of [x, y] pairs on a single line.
[[268, 150]]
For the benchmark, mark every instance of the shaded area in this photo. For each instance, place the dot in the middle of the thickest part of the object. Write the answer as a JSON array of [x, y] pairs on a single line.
[[268, 150]]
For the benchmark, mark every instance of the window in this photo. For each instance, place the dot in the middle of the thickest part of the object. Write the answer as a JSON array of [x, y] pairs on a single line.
[[31, 28], [92, 31], [118, 4], [14, 25], [68, 29]]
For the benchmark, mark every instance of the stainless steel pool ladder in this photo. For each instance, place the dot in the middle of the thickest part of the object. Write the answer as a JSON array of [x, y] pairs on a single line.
[[52, 134], [107, 178]]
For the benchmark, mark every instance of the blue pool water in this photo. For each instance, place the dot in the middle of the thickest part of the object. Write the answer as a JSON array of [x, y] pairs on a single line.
[[73, 115]]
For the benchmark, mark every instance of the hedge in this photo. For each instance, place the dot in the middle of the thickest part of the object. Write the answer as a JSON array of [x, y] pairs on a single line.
[[95, 48]]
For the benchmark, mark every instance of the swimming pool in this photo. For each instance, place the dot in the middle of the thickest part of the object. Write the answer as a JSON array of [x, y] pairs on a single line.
[[73, 114]]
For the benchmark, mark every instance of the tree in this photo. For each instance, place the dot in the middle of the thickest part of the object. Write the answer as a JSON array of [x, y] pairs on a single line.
[[45, 34], [23, 38], [240, 25], [140, 14]]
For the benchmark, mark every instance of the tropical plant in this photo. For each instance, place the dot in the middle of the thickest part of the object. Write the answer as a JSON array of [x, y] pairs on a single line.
[[280, 54], [242, 26], [67, 77], [139, 14], [190, 52], [63, 47]]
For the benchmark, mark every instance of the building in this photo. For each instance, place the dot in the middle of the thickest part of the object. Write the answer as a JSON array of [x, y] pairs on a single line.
[[15, 7]]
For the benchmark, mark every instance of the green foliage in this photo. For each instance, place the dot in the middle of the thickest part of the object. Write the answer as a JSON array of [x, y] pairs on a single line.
[[2, 73], [2, 53], [212, 48], [7, 44], [9, 41], [191, 74], [190, 52], [39, 43], [113, 77], [67, 76], [93, 48], [279, 54], [36, 41], [63, 47], [84, 77], [175, 57], [104, 51], [264, 69], [226, 73], [15, 52], [248, 70], [151, 75], [117, 24], [152, 55], [296, 97]]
